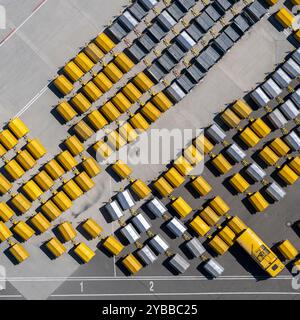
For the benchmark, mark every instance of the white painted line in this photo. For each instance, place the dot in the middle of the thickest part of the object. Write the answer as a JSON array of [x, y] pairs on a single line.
[[172, 294], [11, 296], [22, 24]]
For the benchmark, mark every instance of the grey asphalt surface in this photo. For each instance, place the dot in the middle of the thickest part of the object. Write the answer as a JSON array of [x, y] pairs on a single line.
[[55, 33]]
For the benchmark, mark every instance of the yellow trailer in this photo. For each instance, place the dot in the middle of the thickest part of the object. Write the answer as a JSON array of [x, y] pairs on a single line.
[[239, 183], [199, 226], [51, 210], [84, 181], [249, 137], [230, 118], [44, 181], [284, 17], [121, 102], [102, 82], [83, 130], [14, 169], [74, 145], [260, 252], [6, 212], [81, 103], [260, 128], [295, 2], [122, 169], [203, 144], [66, 111], [236, 225], [139, 122], [92, 228], [2, 150], [25, 159], [132, 264], [132, 92], [218, 245], [18, 128], [128, 133], [21, 203], [72, 190], [84, 252], [91, 167], [209, 216], [102, 149], [279, 147], [67, 231], [5, 233], [242, 109], [67, 160], [201, 186], [221, 164], [162, 102], [23, 230], [295, 165], [150, 112], [56, 247], [5, 185], [193, 155], [288, 250], [36, 149], [110, 111], [97, 120], [288, 175], [104, 42], [124, 63], [114, 246], [8, 140], [140, 188], [54, 169], [142, 82], [62, 201], [183, 166], [113, 72], [40, 223], [219, 206], [63, 85], [163, 187], [93, 52], [92, 91], [32, 190], [84, 62], [72, 71], [19, 252], [174, 178], [268, 156], [258, 202], [182, 208], [115, 140], [227, 235]]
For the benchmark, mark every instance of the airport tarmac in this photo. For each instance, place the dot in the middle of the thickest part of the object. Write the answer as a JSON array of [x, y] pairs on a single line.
[[52, 35]]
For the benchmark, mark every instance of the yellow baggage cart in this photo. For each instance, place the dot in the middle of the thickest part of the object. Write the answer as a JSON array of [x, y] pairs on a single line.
[[66, 111], [51, 210], [74, 145], [230, 118], [32, 190], [288, 250], [2, 150], [259, 203], [123, 62], [113, 72], [104, 42], [18, 128], [163, 187], [279, 147], [122, 169], [81, 103], [284, 17], [5, 185], [19, 252], [183, 166], [219, 206], [142, 82], [139, 122], [121, 102], [260, 128], [174, 178], [91, 91], [162, 102], [218, 245], [110, 112], [93, 52], [102, 82], [221, 164], [115, 140], [132, 92], [268, 156], [84, 252], [242, 109], [239, 183], [36, 149], [25, 159], [249, 137], [132, 264], [63, 85], [102, 149], [67, 231], [140, 188], [40, 223], [199, 226], [295, 165], [84, 62], [84, 181], [288, 175], [56, 247], [44, 181], [83, 130], [23, 230], [6, 212], [72, 190], [92, 228], [72, 71], [209, 216], [201, 186], [193, 155], [97, 120], [21, 203], [14, 169], [8, 140], [203, 144], [236, 225], [150, 112], [54, 169], [114, 246], [182, 208], [5, 233], [67, 160], [62, 201], [227, 235], [127, 132], [91, 167]]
